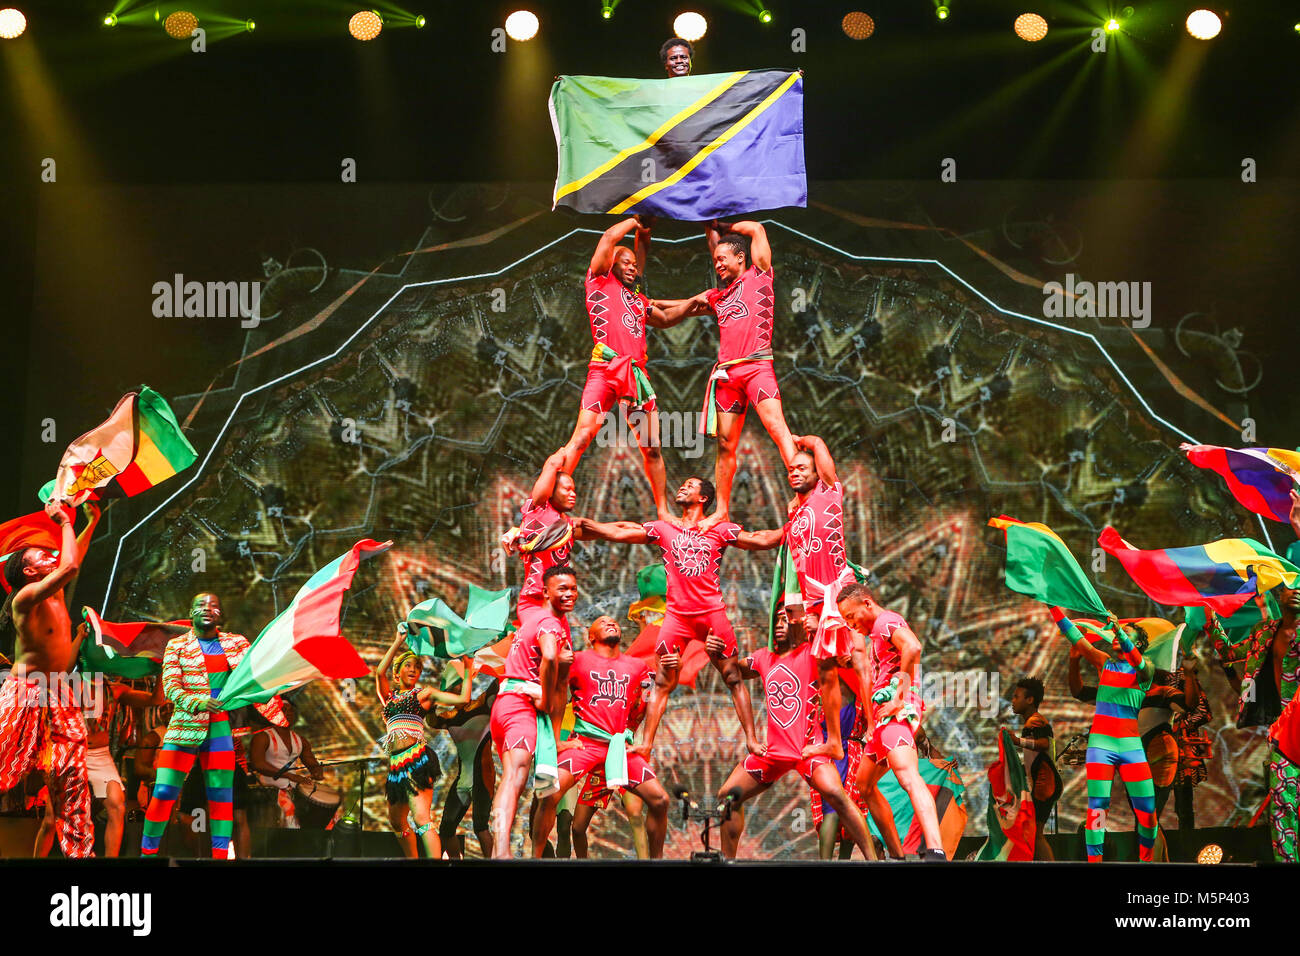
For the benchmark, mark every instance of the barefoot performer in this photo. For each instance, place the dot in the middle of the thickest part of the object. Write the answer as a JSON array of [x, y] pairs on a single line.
[[605, 685], [41, 726], [616, 375], [743, 375], [523, 727], [894, 712], [789, 677], [692, 558], [412, 767]]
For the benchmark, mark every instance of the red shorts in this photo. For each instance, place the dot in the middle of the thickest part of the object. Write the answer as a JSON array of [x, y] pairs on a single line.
[[514, 723], [600, 393], [772, 769], [677, 629], [527, 606], [591, 757], [745, 384], [887, 736]]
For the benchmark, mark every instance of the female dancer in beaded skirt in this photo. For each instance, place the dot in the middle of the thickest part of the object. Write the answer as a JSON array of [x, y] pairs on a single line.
[[412, 766]]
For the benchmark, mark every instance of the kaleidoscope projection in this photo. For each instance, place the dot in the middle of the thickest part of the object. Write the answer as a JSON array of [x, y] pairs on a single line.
[[940, 409]]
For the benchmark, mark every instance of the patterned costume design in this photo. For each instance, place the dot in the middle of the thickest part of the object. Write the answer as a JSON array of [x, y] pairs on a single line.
[[37, 734], [1114, 744], [853, 728], [412, 767], [1261, 703]]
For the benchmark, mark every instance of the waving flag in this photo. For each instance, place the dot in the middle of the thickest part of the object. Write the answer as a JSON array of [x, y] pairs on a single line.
[[29, 531], [1011, 809], [1222, 575], [134, 649], [140, 445], [1238, 627], [303, 642], [1163, 637], [946, 787], [1040, 565], [689, 147], [1260, 478], [433, 629]]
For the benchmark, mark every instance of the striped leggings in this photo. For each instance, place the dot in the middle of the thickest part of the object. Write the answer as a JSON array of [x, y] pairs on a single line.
[[217, 758], [1105, 754]]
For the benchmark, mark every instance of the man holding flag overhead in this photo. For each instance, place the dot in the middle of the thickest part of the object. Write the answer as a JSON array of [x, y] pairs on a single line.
[[41, 726], [744, 374], [619, 314]]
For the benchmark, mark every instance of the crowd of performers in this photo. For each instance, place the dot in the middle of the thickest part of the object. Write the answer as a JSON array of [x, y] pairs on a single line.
[[586, 722]]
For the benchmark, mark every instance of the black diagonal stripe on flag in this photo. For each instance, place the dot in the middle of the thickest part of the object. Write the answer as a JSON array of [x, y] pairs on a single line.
[[676, 147]]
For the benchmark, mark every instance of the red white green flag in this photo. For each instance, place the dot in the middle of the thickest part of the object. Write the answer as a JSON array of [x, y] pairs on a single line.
[[140, 445], [304, 642], [132, 649], [1011, 808]]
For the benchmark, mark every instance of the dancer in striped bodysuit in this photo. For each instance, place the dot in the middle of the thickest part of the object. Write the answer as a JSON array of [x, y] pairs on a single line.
[[1114, 741]]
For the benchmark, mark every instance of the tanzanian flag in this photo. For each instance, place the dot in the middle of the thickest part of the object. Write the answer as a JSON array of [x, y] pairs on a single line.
[[433, 629], [140, 445], [1011, 808], [1040, 565], [1261, 479], [689, 147], [303, 642], [1222, 575], [133, 649]]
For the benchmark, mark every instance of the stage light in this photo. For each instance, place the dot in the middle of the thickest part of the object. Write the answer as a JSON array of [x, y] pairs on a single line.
[[857, 25], [941, 12], [180, 25], [606, 9], [250, 25], [1031, 27], [690, 26], [365, 25], [1112, 25], [1210, 853], [764, 16], [522, 25], [110, 20], [420, 22], [12, 23], [1204, 24]]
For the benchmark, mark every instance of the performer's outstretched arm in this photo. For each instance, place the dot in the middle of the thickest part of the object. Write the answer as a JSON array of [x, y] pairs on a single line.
[[821, 456], [621, 532], [29, 595], [760, 252], [642, 240], [544, 486], [602, 260], [759, 540], [1077, 638], [665, 313]]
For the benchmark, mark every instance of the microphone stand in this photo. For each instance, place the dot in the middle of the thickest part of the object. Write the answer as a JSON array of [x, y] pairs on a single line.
[[720, 815]]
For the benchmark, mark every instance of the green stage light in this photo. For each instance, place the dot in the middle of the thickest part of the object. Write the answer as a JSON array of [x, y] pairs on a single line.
[[607, 13], [1112, 25], [941, 12], [250, 25], [765, 16], [420, 22], [110, 20]]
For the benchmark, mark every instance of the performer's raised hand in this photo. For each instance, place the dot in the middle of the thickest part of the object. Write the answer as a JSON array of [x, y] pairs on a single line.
[[58, 513]]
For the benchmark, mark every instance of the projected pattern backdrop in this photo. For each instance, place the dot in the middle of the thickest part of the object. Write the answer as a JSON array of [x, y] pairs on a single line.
[[941, 412]]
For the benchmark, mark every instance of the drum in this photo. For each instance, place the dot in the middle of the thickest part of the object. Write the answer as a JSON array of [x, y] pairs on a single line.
[[315, 804]]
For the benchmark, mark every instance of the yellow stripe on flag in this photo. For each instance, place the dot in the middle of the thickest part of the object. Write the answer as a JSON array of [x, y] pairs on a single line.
[[151, 462], [1243, 559], [704, 153], [654, 137]]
